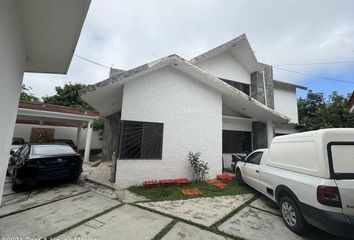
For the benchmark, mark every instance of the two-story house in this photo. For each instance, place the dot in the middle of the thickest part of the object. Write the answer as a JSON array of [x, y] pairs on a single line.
[[220, 102]]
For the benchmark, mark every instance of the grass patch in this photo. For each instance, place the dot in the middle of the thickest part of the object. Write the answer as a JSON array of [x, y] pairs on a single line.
[[165, 230], [159, 194], [95, 157], [96, 163]]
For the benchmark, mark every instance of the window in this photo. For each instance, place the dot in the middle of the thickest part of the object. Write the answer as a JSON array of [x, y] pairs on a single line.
[[141, 140], [24, 151], [245, 88], [236, 141], [255, 158]]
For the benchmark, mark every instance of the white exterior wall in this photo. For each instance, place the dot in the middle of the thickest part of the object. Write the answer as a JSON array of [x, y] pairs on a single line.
[[24, 131], [226, 66], [236, 125], [192, 118], [12, 65], [285, 102]]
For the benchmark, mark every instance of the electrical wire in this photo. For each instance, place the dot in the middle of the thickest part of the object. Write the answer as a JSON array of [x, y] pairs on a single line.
[[314, 63], [88, 60], [312, 75], [275, 66]]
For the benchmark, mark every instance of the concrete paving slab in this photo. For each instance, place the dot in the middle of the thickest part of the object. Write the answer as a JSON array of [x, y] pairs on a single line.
[[127, 196], [204, 211], [14, 198], [107, 191], [54, 217], [264, 203], [40, 197], [125, 222], [188, 232], [7, 189], [7, 179], [251, 223]]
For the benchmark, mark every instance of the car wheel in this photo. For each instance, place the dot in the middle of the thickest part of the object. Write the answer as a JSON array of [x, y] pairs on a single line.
[[239, 177], [14, 185], [292, 216]]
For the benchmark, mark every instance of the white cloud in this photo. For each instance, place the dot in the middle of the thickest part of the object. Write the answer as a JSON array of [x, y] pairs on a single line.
[[129, 33]]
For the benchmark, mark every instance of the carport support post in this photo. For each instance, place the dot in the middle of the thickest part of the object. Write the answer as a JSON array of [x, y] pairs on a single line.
[[78, 137], [270, 132], [88, 141]]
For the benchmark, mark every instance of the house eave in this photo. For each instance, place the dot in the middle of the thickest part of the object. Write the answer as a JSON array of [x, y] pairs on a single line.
[[286, 84], [244, 102], [51, 30]]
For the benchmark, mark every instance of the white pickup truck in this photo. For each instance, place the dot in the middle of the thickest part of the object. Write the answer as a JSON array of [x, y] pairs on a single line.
[[310, 175]]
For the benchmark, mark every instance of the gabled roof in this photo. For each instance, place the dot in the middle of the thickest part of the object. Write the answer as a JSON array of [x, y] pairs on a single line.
[[239, 47], [286, 84], [97, 95]]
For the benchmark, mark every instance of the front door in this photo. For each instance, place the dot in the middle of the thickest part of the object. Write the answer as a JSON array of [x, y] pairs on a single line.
[[42, 135]]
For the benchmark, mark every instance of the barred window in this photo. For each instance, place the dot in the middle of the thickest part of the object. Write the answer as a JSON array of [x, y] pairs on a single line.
[[141, 140]]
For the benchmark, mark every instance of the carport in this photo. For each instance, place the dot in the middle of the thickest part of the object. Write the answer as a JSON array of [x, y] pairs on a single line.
[[52, 115]]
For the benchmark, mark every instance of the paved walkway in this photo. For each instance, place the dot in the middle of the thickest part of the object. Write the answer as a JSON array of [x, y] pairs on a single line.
[[87, 211], [203, 211]]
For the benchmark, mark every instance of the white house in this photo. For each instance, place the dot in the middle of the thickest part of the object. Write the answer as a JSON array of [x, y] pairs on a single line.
[[222, 101], [35, 36]]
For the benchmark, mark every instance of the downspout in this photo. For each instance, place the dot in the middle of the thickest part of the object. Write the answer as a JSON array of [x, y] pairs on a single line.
[[265, 90], [115, 157]]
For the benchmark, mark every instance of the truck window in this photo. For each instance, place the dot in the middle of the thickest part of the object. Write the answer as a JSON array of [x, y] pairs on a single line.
[[341, 155], [255, 158]]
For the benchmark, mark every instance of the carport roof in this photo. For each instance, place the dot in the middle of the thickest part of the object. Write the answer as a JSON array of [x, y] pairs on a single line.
[[29, 112]]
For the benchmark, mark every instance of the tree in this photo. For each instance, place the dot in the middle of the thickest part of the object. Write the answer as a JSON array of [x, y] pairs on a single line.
[[27, 96], [315, 112], [68, 96]]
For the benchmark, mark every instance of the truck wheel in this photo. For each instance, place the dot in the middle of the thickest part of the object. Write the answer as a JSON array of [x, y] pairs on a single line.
[[292, 216], [239, 177]]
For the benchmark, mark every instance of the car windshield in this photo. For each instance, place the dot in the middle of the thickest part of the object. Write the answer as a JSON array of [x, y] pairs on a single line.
[[52, 150], [18, 141]]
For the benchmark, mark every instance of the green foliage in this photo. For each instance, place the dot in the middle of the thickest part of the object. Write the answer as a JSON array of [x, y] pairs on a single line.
[[200, 168], [317, 112], [68, 96], [175, 193], [27, 96]]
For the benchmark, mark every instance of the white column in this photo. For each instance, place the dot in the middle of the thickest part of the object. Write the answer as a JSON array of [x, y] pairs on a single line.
[[88, 141], [12, 66], [78, 137], [270, 132]]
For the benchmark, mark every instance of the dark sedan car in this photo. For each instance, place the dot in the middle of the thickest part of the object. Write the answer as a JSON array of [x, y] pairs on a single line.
[[36, 163], [66, 141]]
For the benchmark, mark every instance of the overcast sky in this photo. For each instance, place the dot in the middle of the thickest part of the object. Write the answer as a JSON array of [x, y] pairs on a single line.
[[125, 34]]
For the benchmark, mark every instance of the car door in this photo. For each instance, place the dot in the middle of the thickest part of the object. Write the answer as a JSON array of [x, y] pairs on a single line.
[[252, 169]]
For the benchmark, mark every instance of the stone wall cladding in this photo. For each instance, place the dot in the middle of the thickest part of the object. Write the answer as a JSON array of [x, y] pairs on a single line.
[[257, 85], [110, 136], [259, 132], [257, 92]]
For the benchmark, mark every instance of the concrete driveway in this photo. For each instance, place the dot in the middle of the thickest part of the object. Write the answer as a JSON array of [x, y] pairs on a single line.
[[87, 211]]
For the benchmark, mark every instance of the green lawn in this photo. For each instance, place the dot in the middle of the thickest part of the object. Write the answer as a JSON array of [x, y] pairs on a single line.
[[158, 194]]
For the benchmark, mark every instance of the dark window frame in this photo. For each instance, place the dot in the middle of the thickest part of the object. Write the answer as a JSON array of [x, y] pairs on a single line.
[[129, 140], [229, 138], [256, 154]]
